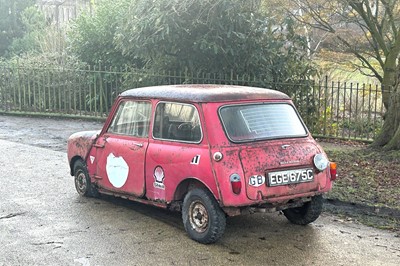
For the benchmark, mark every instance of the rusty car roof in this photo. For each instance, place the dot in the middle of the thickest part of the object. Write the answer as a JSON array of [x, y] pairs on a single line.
[[205, 93]]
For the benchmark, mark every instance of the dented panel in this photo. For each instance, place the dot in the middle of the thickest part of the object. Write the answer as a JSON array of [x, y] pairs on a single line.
[[79, 144]]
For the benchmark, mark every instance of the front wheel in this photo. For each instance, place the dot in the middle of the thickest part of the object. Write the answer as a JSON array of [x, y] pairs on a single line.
[[307, 213], [202, 217], [82, 180]]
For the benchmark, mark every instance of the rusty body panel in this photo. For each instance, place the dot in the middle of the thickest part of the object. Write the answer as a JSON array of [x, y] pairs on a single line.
[[79, 145]]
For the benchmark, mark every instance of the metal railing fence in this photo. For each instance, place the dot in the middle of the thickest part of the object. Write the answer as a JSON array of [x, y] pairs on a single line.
[[329, 109]]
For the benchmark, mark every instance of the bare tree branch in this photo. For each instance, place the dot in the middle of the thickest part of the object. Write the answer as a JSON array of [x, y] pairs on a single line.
[[375, 47], [361, 58], [368, 18]]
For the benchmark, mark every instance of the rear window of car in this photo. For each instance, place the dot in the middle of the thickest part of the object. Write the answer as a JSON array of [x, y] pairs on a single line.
[[261, 121]]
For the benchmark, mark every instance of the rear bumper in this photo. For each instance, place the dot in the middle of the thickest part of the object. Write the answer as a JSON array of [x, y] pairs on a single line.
[[271, 205]]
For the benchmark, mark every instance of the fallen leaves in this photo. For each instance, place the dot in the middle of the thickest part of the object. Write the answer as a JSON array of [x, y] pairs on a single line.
[[365, 175]]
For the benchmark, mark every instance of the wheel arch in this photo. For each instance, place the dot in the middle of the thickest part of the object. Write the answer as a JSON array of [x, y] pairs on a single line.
[[72, 163], [188, 184]]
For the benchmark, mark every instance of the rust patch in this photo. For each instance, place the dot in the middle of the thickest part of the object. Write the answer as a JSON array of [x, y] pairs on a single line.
[[79, 144]]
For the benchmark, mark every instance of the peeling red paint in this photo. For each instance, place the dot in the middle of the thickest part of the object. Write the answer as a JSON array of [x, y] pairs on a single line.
[[80, 144]]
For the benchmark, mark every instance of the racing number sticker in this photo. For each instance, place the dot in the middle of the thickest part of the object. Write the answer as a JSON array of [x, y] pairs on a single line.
[[257, 180]]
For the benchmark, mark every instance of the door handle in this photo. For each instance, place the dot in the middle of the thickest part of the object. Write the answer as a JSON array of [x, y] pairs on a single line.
[[138, 144]]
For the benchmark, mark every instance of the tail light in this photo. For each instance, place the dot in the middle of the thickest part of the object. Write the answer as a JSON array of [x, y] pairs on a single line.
[[236, 183], [333, 171]]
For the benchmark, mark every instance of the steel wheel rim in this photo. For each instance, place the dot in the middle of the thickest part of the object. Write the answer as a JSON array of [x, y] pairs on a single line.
[[81, 182], [198, 216]]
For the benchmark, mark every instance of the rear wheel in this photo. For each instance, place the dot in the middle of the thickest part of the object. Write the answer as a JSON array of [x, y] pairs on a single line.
[[82, 180], [307, 213], [202, 217]]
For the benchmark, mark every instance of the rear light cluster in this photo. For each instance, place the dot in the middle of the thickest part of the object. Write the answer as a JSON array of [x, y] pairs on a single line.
[[321, 163], [236, 183], [333, 171]]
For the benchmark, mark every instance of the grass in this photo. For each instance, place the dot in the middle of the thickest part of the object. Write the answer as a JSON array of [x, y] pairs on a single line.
[[365, 176], [368, 180]]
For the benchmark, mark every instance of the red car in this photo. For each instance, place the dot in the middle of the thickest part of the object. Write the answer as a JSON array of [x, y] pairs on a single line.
[[209, 151]]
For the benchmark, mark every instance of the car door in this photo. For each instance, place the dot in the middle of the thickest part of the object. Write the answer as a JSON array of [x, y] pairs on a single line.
[[121, 150], [176, 152]]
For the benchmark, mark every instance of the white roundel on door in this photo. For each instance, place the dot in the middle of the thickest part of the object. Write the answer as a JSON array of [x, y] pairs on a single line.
[[117, 170]]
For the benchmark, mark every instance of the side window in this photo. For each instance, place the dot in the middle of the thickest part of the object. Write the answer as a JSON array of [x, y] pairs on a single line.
[[177, 121], [132, 119]]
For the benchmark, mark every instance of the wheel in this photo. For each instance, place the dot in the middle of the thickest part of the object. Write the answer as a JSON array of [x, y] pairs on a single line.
[[307, 213], [202, 217], [82, 180]]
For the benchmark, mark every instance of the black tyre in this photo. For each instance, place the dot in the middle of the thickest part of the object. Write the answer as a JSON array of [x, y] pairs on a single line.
[[82, 180], [307, 213], [202, 217]]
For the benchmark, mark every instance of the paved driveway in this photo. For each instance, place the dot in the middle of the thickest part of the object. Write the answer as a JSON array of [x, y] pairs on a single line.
[[43, 221]]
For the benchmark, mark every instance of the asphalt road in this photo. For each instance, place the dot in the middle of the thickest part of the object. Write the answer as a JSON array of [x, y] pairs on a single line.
[[43, 221]]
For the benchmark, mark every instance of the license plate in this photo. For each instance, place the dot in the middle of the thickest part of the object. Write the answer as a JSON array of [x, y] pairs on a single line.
[[290, 177]]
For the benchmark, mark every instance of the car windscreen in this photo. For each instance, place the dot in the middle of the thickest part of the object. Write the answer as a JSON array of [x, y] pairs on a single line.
[[261, 121]]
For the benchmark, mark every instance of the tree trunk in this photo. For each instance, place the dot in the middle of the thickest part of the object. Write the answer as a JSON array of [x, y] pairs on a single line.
[[389, 137], [389, 78], [389, 75]]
